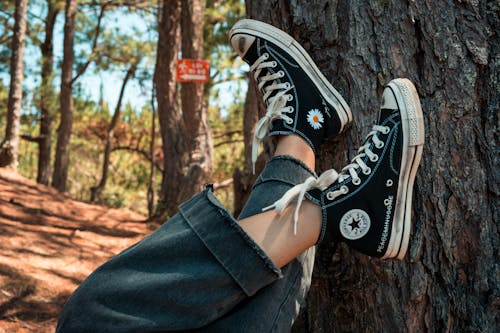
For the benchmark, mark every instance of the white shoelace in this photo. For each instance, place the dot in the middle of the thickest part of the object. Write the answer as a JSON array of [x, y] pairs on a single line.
[[275, 105], [330, 176]]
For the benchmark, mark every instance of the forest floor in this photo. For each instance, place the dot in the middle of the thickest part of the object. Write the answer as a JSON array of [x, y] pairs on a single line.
[[49, 243]]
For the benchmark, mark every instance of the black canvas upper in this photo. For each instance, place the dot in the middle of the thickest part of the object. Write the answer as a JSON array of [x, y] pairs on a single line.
[[305, 96], [375, 195]]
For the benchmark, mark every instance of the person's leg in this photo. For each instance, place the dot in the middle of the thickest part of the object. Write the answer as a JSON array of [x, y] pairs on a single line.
[[303, 109], [149, 285], [275, 307], [157, 282], [191, 271]]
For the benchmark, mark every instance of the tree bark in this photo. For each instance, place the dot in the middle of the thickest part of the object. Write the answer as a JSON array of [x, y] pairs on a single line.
[[244, 179], [198, 135], [46, 95], [60, 174], [9, 149], [450, 280], [186, 135], [151, 182], [96, 191], [61, 165], [170, 118]]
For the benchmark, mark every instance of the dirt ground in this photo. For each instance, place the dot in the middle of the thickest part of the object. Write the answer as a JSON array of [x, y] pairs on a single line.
[[48, 245]]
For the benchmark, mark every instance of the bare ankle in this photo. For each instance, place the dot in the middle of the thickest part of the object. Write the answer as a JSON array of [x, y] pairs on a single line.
[[296, 147]]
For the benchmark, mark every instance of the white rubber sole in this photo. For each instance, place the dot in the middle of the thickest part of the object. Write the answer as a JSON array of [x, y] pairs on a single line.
[[413, 139], [296, 51]]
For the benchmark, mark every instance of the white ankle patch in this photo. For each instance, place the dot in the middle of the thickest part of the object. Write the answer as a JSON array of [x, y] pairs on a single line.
[[354, 224]]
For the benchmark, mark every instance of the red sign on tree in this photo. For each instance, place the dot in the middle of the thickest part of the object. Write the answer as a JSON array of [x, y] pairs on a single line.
[[192, 70]]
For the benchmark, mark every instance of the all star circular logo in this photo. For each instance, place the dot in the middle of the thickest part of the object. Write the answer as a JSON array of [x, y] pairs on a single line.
[[354, 224]]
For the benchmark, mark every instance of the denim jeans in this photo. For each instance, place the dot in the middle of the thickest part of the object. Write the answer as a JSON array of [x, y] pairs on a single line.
[[199, 270]]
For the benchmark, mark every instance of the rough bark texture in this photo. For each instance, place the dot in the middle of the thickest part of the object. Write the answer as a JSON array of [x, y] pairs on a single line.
[[186, 135], [46, 93], [243, 180], [9, 149], [450, 280], [170, 119], [60, 174], [198, 135]]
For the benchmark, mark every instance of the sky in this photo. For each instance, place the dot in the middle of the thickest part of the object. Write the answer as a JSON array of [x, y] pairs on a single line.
[[92, 82]]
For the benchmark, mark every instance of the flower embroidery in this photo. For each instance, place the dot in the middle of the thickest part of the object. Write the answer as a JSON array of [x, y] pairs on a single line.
[[315, 118]]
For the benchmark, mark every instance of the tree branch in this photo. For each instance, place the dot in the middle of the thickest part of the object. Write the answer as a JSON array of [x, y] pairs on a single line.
[[30, 138], [232, 78], [219, 135], [223, 184], [227, 142], [139, 151], [83, 68]]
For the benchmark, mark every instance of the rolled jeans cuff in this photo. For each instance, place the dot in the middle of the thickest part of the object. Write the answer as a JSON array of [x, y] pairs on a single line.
[[280, 174], [242, 258]]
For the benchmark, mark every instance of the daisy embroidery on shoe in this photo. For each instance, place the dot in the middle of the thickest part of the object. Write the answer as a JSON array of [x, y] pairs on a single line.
[[315, 118]]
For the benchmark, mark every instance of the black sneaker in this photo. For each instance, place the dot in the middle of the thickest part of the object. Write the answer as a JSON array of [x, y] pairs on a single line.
[[368, 205], [298, 97]]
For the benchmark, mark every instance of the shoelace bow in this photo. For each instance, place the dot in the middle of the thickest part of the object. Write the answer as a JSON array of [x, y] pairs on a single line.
[[275, 104], [330, 176], [299, 191]]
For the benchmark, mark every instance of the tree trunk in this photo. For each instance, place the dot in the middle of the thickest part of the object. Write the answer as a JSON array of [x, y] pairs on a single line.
[[244, 179], [170, 118], [198, 135], [9, 149], [186, 135], [96, 191], [46, 95], [151, 183], [60, 174], [450, 280]]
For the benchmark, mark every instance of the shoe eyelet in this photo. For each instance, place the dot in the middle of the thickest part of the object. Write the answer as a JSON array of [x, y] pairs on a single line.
[[389, 183], [367, 171], [387, 202], [386, 130], [266, 55], [289, 121], [274, 64], [344, 189], [356, 181], [329, 196], [290, 109], [379, 145], [281, 73], [287, 85], [289, 98], [374, 158]]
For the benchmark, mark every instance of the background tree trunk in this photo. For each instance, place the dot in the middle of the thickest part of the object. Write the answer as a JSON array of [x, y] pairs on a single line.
[[186, 135], [198, 134], [61, 164], [9, 149], [46, 95], [244, 179], [170, 119], [450, 280]]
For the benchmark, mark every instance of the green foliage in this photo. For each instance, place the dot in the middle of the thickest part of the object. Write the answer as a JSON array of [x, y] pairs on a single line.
[[118, 47]]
